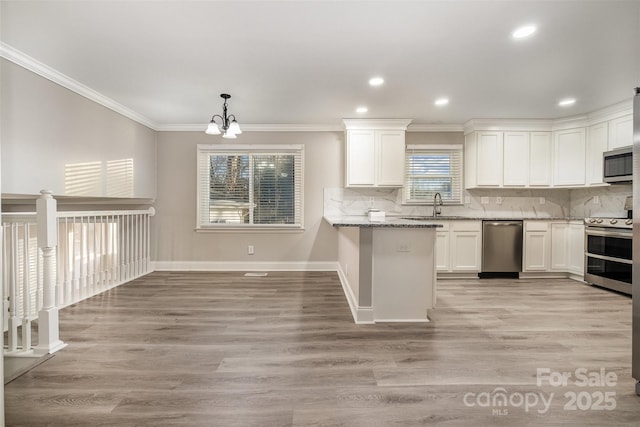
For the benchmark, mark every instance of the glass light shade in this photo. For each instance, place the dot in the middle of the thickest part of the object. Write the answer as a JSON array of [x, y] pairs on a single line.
[[229, 135], [234, 128], [212, 129]]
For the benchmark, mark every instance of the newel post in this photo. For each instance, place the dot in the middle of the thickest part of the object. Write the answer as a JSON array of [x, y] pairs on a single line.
[[48, 327]]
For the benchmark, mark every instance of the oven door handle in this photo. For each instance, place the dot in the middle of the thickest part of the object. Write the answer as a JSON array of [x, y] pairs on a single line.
[[621, 234], [608, 258]]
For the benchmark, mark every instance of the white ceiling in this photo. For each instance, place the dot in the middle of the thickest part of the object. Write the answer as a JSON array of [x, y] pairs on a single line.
[[308, 62]]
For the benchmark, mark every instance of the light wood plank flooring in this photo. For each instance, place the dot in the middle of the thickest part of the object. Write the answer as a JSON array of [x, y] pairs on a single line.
[[220, 349]]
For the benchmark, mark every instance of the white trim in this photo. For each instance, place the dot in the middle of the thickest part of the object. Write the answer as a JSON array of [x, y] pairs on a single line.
[[25, 61], [449, 127], [570, 123], [243, 266], [615, 111], [611, 112], [534, 125], [361, 315], [376, 124], [256, 128]]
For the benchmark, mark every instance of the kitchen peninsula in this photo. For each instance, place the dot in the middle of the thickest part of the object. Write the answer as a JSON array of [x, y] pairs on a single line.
[[387, 269]]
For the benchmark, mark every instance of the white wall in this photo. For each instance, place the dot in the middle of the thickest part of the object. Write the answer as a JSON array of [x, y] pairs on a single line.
[[46, 127], [175, 221]]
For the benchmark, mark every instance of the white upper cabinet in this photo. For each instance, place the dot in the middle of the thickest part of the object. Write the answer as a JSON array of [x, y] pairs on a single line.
[[516, 159], [543, 153], [569, 153], [391, 148], [361, 158], [621, 132], [540, 159], [597, 139], [375, 151], [489, 159]]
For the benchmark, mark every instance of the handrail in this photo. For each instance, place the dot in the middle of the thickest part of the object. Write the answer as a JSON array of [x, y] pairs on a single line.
[[72, 214]]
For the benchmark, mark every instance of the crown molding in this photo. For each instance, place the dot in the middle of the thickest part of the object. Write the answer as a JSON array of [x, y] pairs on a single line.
[[611, 112], [380, 124], [25, 61], [256, 128], [535, 125], [444, 127]]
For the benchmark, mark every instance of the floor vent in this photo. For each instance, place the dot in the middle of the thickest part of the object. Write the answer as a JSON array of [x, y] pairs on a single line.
[[255, 274]]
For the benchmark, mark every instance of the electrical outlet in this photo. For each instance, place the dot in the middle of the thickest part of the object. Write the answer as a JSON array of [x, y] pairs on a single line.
[[498, 200], [596, 200], [251, 250], [404, 248], [542, 200]]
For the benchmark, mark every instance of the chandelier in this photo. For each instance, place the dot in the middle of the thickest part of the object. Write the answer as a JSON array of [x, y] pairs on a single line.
[[229, 126]]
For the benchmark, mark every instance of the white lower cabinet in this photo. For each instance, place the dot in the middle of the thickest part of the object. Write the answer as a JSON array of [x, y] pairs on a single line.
[[537, 246], [575, 259], [459, 246], [442, 248], [554, 246], [559, 246]]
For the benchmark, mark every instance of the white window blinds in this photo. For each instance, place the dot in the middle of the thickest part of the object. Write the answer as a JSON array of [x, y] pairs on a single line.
[[250, 186], [433, 169]]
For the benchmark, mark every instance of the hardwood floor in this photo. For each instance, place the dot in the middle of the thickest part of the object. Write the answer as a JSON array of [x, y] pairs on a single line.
[[221, 349]]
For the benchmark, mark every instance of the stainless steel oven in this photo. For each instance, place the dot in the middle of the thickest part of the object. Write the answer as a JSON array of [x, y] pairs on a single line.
[[608, 253]]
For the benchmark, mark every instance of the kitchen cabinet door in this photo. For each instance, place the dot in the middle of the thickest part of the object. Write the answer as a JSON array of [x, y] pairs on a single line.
[[361, 159], [575, 257], [466, 245], [516, 159], [559, 246], [597, 143], [442, 251], [390, 158], [569, 150], [470, 160], [621, 132], [536, 251], [540, 159], [489, 146]]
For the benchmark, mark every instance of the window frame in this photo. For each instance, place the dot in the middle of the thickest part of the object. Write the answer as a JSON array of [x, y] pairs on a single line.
[[204, 151], [457, 148]]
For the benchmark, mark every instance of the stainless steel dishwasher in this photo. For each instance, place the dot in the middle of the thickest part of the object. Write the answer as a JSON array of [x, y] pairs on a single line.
[[501, 248]]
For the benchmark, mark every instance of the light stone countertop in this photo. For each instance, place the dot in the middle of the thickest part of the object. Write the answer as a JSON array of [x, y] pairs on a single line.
[[422, 221], [389, 222]]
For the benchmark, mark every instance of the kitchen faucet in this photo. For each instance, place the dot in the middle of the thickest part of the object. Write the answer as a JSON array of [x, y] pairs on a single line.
[[437, 201]]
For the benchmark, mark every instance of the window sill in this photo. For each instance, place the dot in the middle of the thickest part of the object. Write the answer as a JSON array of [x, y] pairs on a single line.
[[254, 229]]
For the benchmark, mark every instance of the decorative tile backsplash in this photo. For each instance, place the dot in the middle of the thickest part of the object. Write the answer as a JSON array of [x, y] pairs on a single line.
[[515, 203]]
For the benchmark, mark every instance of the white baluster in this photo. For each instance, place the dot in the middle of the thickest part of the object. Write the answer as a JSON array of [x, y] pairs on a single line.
[[13, 291], [26, 289], [48, 328]]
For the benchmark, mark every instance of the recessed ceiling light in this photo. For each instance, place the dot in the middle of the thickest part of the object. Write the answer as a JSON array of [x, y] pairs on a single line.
[[376, 81], [567, 102], [523, 32], [441, 101], [362, 110]]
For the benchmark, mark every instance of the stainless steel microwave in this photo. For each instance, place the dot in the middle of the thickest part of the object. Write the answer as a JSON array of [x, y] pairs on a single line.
[[618, 165]]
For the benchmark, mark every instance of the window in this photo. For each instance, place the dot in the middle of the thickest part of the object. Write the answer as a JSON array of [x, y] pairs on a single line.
[[250, 186], [432, 169]]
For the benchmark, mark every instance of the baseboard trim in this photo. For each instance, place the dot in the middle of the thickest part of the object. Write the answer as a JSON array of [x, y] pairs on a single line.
[[243, 266]]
